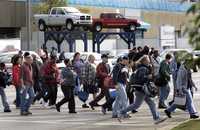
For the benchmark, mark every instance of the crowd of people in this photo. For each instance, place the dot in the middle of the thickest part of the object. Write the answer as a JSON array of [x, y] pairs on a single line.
[[130, 78]]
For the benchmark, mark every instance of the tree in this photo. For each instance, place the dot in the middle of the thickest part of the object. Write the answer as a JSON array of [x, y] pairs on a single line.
[[193, 27], [46, 5]]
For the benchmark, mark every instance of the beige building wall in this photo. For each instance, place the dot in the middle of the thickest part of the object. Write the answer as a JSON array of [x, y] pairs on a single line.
[[12, 14], [157, 19]]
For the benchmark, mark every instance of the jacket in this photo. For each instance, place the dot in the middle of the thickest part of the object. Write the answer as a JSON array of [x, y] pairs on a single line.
[[68, 77], [2, 79], [182, 78], [141, 76], [164, 71], [120, 74], [51, 73], [16, 75], [102, 72]]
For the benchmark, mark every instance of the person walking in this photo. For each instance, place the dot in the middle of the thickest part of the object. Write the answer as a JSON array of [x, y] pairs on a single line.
[[120, 79], [27, 91], [142, 77], [88, 76], [17, 61], [164, 88], [78, 65], [3, 83], [51, 77], [102, 71], [67, 87], [183, 87]]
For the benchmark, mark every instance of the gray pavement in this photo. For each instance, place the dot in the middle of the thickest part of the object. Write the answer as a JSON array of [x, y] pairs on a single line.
[[87, 119]]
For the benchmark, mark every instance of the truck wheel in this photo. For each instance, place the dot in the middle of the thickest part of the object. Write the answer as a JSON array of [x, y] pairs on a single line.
[[98, 27], [69, 25], [132, 27], [42, 26]]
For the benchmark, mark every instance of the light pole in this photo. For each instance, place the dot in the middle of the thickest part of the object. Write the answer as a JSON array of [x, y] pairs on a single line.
[[28, 23]]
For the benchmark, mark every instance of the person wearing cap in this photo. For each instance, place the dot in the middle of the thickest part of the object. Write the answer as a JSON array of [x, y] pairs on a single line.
[[102, 71], [26, 77], [120, 79]]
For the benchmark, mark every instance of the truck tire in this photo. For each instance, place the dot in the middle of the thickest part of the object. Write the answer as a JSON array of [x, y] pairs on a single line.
[[42, 26], [69, 25], [98, 27], [132, 27]]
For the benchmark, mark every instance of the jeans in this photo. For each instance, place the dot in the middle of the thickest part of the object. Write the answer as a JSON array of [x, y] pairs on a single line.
[[121, 100], [164, 93], [27, 96], [140, 97], [4, 99], [189, 104], [18, 100], [68, 92]]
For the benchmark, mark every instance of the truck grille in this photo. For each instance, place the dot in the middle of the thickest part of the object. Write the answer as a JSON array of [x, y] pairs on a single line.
[[88, 18], [82, 17]]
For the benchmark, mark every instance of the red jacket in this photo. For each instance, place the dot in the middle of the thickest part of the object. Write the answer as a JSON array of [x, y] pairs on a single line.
[[51, 73], [16, 75], [102, 72]]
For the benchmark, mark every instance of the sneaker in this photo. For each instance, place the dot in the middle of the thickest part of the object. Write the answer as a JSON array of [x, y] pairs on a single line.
[[114, 116], [57, 108], [92, 106], [72, 112], [85, 106], [29, 113], [44, 104], [160, 120], [194, 116], [103, 110], [24, 113], [134, 111], [7, 110], [168, 114], [162, 106]]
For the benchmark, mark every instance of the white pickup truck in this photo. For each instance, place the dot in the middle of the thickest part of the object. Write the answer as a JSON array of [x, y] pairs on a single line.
[[63, 16]]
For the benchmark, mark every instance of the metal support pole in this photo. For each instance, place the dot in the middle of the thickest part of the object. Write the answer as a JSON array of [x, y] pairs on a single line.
[[28, 23]]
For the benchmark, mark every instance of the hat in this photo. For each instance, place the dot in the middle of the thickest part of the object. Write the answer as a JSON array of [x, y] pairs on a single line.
[[104, 56], [125, 58], [27, 55]]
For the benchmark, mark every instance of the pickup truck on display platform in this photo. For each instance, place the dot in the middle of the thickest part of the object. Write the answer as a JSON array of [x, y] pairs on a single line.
[[69, 17], [114, 20]]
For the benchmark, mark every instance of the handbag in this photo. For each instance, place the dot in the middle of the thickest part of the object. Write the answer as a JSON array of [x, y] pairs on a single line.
[[180, 99], [150, 89], [83, 95]]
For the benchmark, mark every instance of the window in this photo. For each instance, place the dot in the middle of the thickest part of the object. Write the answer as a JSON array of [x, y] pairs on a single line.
[[60, 12], [53, 12]]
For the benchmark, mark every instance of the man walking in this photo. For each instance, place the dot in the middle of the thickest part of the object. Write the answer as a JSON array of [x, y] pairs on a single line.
[[27, 92]]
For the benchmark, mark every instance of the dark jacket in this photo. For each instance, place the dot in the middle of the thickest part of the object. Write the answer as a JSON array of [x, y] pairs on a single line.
[[165, 71], [141, 76], [2, 79], [68, 76], [120, 74]]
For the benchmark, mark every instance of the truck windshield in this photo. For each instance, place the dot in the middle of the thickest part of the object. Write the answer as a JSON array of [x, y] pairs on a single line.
[[72, 10]]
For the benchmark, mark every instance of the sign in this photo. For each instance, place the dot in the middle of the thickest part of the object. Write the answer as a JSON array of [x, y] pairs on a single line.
[[167, 35]]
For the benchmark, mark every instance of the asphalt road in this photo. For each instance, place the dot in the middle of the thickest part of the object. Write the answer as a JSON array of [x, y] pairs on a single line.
[[87, 119]]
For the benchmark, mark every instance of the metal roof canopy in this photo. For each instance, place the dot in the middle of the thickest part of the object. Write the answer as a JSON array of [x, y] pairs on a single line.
[[159, 5]]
